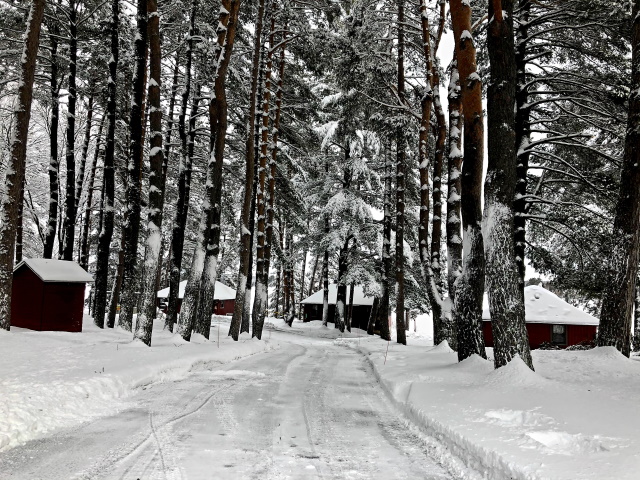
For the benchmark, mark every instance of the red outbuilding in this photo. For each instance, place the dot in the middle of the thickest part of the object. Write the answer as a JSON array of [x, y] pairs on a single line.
[[224, 298], [549, 319], [48, 295]]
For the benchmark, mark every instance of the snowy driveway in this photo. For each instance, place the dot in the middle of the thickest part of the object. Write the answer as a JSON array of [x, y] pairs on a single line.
[[311, 409]]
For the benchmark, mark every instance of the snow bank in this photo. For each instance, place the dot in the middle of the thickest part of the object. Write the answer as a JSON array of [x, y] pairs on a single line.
[[575, 417], [57, 379]]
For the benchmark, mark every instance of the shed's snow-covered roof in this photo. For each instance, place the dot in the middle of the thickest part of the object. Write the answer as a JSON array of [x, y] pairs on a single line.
[[543, 306], [358, 296], [222, 292], [62, 271]]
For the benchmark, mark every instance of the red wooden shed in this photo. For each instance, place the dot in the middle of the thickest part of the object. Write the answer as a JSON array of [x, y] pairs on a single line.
[[549, 319], [224, 298], [48, 295]]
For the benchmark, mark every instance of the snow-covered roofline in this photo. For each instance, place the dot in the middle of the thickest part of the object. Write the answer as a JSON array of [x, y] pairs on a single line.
[[61, 271], [359, 297]]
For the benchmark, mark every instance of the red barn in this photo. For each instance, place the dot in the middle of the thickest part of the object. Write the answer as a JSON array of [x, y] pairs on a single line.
[[48, 295], [549, 319], [224, 298]]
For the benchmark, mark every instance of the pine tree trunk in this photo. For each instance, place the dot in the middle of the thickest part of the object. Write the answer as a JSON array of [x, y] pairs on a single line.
[[70, 198], [341, 297], [506, 302], [245, 234], [147, 313], [454, 178], [16, 169], [636, 320], [467, 310], [523, 134], [350, 309], [325, 282], [617, 302], [383, 310], [54, 162], [400, 166], [85, 150], [262, 279], [84, 238], [131, 228], [310, 289], [106, 231], [184, 183], [371, 325]]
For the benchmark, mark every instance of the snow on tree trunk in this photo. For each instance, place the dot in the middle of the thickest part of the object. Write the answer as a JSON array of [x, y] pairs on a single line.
[[54, 161], [454, 179], [467, 310], [636, 320], [108, 180], [350, 308], [245, 234], [70, 198], [383, 310], [400, 161], [325, 285], [15, 172], [506, 302], [144, 326], [84, 238], [617, 302], [131, 228], [523, 133], [85, 150], [184, 180]]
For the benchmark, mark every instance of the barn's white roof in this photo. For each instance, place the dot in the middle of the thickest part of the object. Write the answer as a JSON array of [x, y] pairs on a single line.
[[359, 297], [222, 292], [543, 306], [62, 271]]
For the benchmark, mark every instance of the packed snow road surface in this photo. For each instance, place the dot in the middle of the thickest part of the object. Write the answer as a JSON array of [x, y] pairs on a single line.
[[311, 409]]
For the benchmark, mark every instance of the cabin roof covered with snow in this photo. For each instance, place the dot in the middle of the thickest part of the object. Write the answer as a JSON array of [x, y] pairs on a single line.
[[61, 271], [359, 297], [222, 292], [543, 306]]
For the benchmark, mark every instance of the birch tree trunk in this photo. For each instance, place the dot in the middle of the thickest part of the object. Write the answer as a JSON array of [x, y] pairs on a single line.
[[467, 310], [617, 301], [15, 172], [506, 302], [70, 198], [131, 229], [147, 314], [108, 179], [245, 234]]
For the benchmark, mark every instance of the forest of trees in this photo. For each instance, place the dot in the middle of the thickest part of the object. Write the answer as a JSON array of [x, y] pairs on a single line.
[[285, 145]]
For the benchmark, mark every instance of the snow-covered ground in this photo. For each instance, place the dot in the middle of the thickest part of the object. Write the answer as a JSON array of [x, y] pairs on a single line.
[[312, 408], [58, 379]]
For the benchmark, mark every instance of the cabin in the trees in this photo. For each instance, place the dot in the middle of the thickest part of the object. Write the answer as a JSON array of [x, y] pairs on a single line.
[[48, 295], [549, 319], [223, 304], [312, 306]]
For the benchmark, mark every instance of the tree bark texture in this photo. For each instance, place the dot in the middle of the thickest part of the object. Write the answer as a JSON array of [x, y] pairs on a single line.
[[70, 197], [17, 161], [506, 302], [617, 302], [467, 310], [245, 234], [400, 181], [108, 179], [131, 228], [54, 161], [184, 182], [153, 242]]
